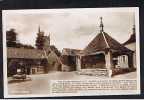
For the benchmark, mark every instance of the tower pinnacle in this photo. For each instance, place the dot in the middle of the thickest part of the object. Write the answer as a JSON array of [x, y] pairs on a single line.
[[133, 29], [101, 25], [39, 29]]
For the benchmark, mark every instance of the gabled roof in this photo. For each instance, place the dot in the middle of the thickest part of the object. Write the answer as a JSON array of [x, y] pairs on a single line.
[[72, 52], [103, 42], [132, 39], [24, 53]]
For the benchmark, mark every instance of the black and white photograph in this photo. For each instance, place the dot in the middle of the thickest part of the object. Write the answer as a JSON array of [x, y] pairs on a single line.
[[45, 47]]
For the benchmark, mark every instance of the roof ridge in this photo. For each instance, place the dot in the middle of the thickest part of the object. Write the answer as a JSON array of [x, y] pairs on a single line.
[[105, 40]]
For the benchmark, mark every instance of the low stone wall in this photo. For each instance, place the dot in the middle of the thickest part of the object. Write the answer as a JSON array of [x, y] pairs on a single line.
[[117, 71], [105, 72], [94, 72]]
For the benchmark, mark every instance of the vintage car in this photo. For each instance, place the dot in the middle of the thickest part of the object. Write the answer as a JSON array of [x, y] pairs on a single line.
[[19, 75]]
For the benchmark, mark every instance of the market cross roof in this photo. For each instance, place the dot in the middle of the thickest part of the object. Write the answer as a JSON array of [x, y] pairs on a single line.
[[103, 42]]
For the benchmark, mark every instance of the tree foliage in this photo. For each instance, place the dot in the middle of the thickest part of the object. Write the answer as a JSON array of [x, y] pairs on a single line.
[[40, 41], [55, 50], [11, 38], [20, 45]]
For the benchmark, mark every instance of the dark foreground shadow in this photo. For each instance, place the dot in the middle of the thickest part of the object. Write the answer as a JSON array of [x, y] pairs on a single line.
[[18, 80]]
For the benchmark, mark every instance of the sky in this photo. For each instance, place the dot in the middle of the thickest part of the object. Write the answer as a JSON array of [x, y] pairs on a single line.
[[69, 28]]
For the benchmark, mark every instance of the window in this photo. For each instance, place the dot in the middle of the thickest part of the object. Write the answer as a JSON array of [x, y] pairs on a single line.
[[124, 59]]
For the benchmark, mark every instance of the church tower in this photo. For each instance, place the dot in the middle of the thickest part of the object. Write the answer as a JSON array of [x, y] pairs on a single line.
[[47, 41], [46, 38], [42, 41], [41, 33]]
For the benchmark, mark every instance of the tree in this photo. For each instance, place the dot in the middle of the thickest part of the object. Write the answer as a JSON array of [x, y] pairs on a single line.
[[57, 52], [27, 46], [40, 41], [11, 38]]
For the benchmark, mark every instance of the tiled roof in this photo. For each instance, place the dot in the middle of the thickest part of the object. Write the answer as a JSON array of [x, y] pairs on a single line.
[[102, 42], [132, 39], [68, 51], [25, 53]]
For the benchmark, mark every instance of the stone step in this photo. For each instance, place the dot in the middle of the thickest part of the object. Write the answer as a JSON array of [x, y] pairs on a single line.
[[94, 72]]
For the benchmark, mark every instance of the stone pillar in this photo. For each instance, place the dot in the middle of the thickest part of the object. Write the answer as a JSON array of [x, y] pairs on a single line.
[[126, 57], [118, 60], [109, 63], [134, 59], [78, 65], [130, 60]]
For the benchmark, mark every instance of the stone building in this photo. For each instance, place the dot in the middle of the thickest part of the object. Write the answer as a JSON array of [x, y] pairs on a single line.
[[131, 44], [69, 59], [32, 61], [104, 52]]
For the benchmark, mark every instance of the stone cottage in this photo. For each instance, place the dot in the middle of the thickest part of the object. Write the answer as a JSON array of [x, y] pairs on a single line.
[[131, 44], [32, 61]]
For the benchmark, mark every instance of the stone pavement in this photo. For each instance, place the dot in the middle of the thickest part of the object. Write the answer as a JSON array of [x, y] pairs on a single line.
[[40, 84]]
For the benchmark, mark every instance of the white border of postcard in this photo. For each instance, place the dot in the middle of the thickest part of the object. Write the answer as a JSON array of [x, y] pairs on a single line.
[[41, 11]]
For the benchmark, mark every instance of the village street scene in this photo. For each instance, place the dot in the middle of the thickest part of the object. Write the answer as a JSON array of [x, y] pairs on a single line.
[[68, 46], [40, 84]]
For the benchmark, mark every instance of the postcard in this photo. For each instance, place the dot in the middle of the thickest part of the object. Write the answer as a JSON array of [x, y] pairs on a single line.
[[71, 52]]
